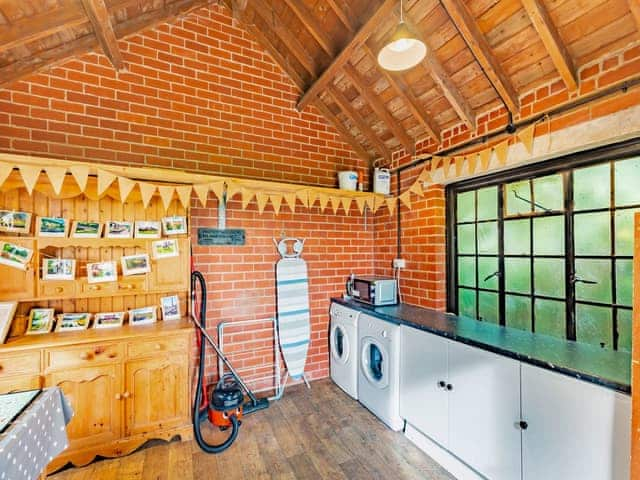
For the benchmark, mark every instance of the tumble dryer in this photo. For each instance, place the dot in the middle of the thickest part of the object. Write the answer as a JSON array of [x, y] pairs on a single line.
[[343, 338]]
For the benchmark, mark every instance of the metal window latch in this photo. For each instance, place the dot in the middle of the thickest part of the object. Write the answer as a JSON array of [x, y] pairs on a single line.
[[494, 274], [575, 279]]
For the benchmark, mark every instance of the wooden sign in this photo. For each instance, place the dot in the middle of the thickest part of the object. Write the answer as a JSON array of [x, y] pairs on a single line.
[[213, 236]]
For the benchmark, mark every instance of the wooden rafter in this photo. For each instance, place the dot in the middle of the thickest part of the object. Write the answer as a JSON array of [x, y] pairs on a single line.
[[360, 37], [634, 6], [360, 123], [376, 104], [343, 15], [311, 23], [468, 28], [553, 43], [404, 91], [103, 29]]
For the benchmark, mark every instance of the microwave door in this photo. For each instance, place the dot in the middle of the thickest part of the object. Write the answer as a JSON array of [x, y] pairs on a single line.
[[361, 290]]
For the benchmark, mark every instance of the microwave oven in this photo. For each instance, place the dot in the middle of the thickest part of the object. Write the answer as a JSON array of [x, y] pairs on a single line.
[[373, 290]]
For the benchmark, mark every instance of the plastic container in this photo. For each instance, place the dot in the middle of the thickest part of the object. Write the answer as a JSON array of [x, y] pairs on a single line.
[[348, 180], [382, 181]]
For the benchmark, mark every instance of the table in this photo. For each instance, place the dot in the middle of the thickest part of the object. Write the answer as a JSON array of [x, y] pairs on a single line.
[[35, 437]]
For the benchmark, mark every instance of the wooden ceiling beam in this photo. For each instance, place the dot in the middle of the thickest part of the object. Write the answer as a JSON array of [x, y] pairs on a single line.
[[361, 124], [358, 39], [103, 29], [343, 15], [311, 23], [477, 43], [634, 6], [376, 104], [553, 43]]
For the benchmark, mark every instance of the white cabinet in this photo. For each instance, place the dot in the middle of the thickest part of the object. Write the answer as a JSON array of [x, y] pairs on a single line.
[[575, 430]]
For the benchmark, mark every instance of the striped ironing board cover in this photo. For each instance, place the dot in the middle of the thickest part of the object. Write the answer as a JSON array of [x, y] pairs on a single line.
[[293, 313]]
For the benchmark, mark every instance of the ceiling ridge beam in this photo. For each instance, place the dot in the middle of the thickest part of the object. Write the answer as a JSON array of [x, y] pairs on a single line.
[[311, 23], [343, 57], [103, 29], [342, 15], [550, 37], [477, 43], [379, 108]]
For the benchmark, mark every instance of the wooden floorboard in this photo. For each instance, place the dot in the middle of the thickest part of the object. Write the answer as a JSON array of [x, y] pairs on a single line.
[[319, 433]]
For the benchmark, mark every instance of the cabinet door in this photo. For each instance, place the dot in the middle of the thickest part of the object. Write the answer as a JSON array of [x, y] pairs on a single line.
[[484, 411], [157, 393], [576, 430], [172, 273], [423, 364], [94, 394], [19, 284]]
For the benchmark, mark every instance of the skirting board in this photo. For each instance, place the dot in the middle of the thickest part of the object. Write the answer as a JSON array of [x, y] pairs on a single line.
[[445, 458]]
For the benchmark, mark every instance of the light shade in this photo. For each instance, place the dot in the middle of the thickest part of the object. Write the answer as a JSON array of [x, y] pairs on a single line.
[[403, 51]]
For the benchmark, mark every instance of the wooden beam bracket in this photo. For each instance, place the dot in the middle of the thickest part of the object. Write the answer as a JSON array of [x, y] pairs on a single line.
[[103, 29]]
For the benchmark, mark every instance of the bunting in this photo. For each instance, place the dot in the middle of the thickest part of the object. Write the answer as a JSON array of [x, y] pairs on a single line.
[[247, 196], [202, 191], [472, 162], [526, 137], [125, 186], [276, 201], [81, 175], [406, 199], [261, 200], [146, 192], [424, 176], [303, 196], [291, 199], [166, 194], [346, 204], [105, 179], [391, 204], [502, 150], [5, 171], [417, 188], [335, 204], [446, 164], [460, 161], [30, 176], [184, 195], [378, 201], [485, 158], [56, 177], [218, 189], [313, 196], [324, 200], [361, 202]]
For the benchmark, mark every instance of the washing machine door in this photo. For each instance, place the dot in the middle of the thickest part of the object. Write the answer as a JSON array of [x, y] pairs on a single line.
[[374, 363], [340, 344]]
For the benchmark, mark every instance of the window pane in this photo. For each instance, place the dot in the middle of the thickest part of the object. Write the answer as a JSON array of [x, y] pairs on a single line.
[[518, 312], [517, 240], [467, 302], [467, 271], [594, 325], [488, 237], [624, 231], [624, 282], [627, 176], [592, 233], [518, 197], [517, 275], [466, 206], [550, 317], [591, 187], [467, 239], [548, 235], [548, 192], [487, 266], [488, 203], [594, 270], [624, 329], [548, 277], [488, 306]]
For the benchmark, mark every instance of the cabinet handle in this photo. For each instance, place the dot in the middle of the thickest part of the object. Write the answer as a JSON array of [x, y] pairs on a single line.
[[1, 368], [523, 425], [442, 384], [126, 395], [94, 287], [118, 396], [158, 346], [84, 356], [449, 387], [59, 289]]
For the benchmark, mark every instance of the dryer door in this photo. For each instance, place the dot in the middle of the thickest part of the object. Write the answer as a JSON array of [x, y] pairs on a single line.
[[340, 344], [374, 363]]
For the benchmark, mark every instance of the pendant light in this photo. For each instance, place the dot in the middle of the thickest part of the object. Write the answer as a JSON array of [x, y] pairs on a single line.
[[403, 51]]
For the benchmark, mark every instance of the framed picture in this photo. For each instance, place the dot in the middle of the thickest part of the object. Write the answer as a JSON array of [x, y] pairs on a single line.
[[40, 321], [81, 229], [15, 255], [58, 269], [170, 307], [108, 320], [142, 316], [165, 248], [148, 229], [117, 229], [68, 322], [17, 222], [135, 264], [102, 272], [51, 227], [7, 311], [174, 225]]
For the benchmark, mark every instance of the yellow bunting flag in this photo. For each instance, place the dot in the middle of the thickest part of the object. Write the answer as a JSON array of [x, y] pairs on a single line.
[[146, 192], [485, 158], [218, 189], [276, 201], [502, 151], [5, 171], [125, 186], [184, 195], [346, 204], [406, 199], [417, 188], [446, 164], [202, 191], [291, 198], [378, 201], [472, 161], [247, 196], [303, 196], [435, 162], [391, 204], [324, 200], [460, 161], [80, 174], [56, 177], [105, 179], [425, 176], [30, 176], [361, 202], [335, 204], [261, 200], [232, 189], [313, 196], [166, 194], [526, 137]]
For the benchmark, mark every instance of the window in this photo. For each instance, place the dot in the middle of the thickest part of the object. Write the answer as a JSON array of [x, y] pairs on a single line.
[[548, 248]]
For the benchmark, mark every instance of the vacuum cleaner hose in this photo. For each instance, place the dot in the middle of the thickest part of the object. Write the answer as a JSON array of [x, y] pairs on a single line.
[[198, 413]]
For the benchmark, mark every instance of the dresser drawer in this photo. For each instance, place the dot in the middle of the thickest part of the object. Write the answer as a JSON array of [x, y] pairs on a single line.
[[57, 288], [86, 355], [19, 363], [133, 284], [98, 288], [152, 347], [19, 383]]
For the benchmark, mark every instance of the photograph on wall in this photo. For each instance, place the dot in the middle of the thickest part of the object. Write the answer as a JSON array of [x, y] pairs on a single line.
[[51, 227], [58, 269], [148, 229], [108, 320], [15, 255], [15, 222], [68, 322], [40, 321], [82, 229], [174, 225], [7, 311], [102, 272], [165, 248], [170, 307], [135, 264], [142, 316], [117, 229]]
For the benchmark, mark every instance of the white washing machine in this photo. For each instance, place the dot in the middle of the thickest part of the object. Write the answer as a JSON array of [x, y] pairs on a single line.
[[343, 338], [379, 372]]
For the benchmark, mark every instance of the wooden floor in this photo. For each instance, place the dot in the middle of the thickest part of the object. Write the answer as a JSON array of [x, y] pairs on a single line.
[[310, 434]]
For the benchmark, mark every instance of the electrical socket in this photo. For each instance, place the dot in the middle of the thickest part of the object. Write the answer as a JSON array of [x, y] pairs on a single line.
[[399, 263]]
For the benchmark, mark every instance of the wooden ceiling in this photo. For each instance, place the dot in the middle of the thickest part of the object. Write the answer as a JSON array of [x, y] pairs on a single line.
[[481, 53]]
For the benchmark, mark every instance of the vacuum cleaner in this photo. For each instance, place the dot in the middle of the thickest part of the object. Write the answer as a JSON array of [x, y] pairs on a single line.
[[226, 406]]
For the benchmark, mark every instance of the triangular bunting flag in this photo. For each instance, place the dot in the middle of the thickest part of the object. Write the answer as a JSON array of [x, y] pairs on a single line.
[[324, 200], [232, 189], [5, 171], [391, 204], [502, 151], [218, 189], [184, 195], [526, 137], [290, 198], [166, 194], [276, 201], [105, 179], [460, 161], [485, 158], [56, 177], [202, 191], [406, 199], [361, 202], [125, 186], [247, 196], [313, 196], [378, 201], [417, 188], [303, 196], [424, 176], [472, 161], [146, 192], [435, 162], [81, 174], [261, 200], [446, 164], [346, 204], [335, 204], [30, 176]]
